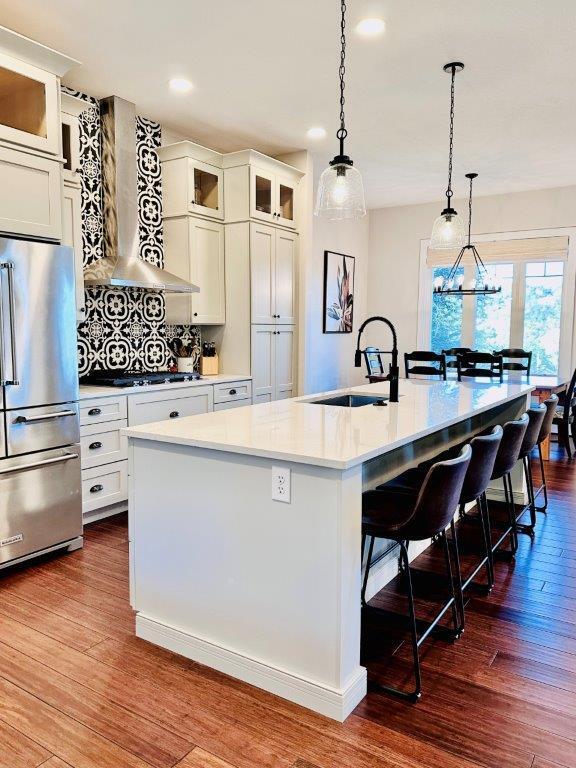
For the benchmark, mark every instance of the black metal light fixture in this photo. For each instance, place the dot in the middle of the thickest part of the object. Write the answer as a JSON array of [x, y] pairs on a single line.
[[448, 231], [454, 284], [340, 189]]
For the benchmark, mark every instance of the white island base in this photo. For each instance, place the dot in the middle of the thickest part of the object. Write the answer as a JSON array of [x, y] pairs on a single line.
[[265, 591]]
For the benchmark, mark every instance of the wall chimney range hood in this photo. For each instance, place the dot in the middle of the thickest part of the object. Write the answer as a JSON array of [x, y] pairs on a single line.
[[121, 265]]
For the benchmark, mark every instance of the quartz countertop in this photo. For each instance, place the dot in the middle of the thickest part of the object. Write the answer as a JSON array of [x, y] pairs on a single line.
[[325, 435], [90, 391]]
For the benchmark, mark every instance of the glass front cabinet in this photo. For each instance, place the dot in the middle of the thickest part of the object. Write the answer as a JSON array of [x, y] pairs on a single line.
[[272, 197], [29, 106]]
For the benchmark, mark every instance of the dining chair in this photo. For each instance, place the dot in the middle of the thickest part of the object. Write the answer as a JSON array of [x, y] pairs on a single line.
[[479, 365], [515, 359], [565, 418], [426, 363], [454, 352]]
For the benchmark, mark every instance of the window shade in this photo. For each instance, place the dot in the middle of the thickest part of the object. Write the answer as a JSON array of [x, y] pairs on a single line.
[[506, 251]]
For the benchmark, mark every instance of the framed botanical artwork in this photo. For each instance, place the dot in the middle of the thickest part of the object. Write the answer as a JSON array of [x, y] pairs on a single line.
[[338, 292]]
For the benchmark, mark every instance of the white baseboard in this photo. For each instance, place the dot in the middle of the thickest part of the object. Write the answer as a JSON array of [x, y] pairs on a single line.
[[104, 512], [332, 702]]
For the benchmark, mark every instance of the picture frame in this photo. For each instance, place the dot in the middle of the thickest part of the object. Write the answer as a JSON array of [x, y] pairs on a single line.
[[338, 304]]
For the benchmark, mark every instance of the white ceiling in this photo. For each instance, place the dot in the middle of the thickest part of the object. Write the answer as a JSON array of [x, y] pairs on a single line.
[[264, 71]]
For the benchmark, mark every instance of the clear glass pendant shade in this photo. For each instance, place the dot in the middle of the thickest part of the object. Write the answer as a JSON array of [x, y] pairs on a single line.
[[340, 193], [447, 232]]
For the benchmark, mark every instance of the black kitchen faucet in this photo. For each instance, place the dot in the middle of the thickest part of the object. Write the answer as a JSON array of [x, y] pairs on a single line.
[[393, 374]]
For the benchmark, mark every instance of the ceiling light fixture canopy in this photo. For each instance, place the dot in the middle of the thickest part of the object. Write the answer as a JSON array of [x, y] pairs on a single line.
[[453, 284], [340, 189], [448, 231]]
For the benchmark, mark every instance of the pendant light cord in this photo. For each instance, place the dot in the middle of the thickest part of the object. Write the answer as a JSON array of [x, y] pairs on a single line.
[[342, 132], [470, 211], [451, 143]]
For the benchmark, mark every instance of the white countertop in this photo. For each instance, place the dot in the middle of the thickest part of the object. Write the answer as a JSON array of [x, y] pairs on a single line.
[[332, 436], [89, 391]]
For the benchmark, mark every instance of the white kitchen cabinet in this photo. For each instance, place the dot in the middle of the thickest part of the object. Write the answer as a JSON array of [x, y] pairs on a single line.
[[72, 236], [71, 109], [261, 188], [194, 250], [272, 363], [273, 274], [30, 194], [192, 181]]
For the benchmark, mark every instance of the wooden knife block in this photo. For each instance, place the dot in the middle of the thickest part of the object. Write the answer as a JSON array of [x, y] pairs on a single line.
[[209, 365]]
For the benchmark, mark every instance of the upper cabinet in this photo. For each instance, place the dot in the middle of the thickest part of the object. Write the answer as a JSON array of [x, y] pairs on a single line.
[[192, 181], [261, 188], [72, 108], [30, 137]]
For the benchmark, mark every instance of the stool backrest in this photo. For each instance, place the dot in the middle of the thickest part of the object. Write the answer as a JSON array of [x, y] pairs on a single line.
[[513, 357], [454, 352], [536, 416], [439, 494], [425, 356], [509, 450], [546, 427], [484, 450], [469, 365]]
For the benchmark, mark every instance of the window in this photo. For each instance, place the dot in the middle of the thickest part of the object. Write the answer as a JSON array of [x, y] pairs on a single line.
[[526, 313], [446, 324], [542, 314]]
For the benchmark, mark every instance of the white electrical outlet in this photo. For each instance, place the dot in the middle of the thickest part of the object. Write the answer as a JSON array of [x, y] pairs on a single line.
[[281, 484]]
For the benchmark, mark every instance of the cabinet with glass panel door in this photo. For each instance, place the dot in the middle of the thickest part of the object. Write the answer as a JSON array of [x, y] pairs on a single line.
[[192, 181]]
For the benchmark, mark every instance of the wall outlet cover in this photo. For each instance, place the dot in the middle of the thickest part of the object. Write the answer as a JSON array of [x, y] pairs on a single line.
[[281, 484]]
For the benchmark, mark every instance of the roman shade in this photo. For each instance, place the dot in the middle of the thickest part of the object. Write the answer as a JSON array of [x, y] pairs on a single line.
[[506, 251]]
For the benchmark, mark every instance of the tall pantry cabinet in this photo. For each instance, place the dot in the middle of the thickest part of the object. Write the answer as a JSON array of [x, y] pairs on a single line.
[[230, 228]]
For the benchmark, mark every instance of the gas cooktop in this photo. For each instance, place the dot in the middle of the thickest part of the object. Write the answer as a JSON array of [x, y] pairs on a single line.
[[118, 378]]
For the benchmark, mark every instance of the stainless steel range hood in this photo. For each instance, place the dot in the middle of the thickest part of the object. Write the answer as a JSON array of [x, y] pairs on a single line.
[[121, 265]]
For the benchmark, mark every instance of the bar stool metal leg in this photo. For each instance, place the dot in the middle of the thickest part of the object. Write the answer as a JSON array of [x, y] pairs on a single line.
[[484, 512], [544, 487], [524, 527], [458, 593], [367, 568]]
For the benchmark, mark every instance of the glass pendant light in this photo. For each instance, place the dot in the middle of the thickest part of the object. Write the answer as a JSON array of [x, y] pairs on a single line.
[[453, 284], [448, 231], [340, 189]]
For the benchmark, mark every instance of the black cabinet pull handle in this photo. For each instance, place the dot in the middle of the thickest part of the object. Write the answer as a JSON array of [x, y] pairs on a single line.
[[94, 411], [174, 414], [195, 314], [96, 488], [95, 446], [232, 392]]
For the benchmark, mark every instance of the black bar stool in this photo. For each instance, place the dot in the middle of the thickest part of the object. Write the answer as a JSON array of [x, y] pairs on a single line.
[[545, 431], [478, 477], [536, 415], [402, 518], [506, 458], [434, 364]]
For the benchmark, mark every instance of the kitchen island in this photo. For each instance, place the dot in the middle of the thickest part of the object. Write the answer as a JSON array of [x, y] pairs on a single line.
[[268, 590]]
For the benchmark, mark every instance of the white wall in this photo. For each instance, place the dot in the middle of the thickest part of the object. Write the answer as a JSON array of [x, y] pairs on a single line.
[[395, 235]]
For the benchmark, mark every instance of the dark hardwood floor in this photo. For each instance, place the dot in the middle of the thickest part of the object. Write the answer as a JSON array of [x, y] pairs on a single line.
[[78, 690]]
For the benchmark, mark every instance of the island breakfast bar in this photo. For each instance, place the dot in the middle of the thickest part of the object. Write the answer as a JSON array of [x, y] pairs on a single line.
[[268, 590]]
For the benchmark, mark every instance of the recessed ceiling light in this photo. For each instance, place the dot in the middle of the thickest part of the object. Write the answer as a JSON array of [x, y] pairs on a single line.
[[180, 84], [316, 133], [370, 27]]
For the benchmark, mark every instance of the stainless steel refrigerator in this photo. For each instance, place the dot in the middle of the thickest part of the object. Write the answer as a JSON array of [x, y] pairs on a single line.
[[40, 484]]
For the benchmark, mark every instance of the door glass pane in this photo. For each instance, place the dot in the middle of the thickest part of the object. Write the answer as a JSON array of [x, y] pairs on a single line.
[[206, 189], [542, 311], [493, 312], [286, 202], [22, 103], [263, 194], [446, 321]]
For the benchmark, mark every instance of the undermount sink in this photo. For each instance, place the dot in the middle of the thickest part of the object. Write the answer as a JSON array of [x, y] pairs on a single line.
[[352, 401]]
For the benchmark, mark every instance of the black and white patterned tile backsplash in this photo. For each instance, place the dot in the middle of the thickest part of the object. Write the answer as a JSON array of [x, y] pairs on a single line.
[[124, 327]]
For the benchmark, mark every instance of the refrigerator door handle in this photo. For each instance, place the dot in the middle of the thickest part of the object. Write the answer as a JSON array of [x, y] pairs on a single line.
[[43, 417], [9, 267], [36, 464]]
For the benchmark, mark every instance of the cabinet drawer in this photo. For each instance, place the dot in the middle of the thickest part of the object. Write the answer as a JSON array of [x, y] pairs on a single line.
[[30, 195], [160, 406], [102, 486], [101, 409], [232, 404], [233, 390], [103, 444]]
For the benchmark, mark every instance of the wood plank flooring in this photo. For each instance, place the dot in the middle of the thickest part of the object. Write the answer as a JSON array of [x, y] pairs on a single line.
[[79, 690]]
